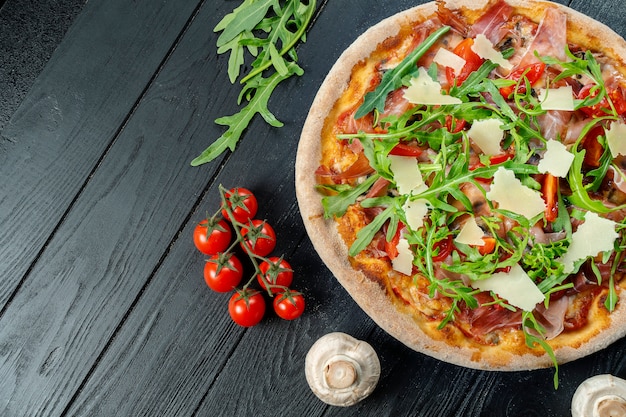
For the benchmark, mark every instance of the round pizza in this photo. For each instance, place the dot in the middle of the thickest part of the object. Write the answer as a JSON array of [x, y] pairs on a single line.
[[462, 173]]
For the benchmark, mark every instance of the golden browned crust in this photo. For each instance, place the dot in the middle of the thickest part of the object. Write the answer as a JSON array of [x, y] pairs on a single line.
[[448, 345]]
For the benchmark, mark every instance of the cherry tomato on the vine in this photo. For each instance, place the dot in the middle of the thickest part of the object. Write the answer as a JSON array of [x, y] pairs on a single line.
[[289, 305], [246, 308], [260, 238], [242, 203], [223, 272], [211, 237], [275, 271]]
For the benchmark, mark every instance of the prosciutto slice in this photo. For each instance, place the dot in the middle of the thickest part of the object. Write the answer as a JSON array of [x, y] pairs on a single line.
[[492, 21], [550, 39]]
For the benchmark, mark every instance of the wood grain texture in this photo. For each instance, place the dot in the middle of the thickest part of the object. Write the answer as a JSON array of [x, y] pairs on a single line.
[[71, 115], [30, 31], [118, 229], [108, 312]]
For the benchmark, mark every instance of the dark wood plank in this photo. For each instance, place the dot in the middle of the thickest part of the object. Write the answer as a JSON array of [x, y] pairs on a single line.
[[116, 232], [30, 31], [71, 115]]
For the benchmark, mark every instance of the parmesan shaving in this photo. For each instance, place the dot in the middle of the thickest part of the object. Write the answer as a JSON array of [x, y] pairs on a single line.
[[404, 261], [561, 98], [406, 174], [514, 286], [424, 90], [512, 195], [447, 58], [616, 138], [484, 49], [595, 235], [415, 211], [487, 134], [557, 159], [471, 233]]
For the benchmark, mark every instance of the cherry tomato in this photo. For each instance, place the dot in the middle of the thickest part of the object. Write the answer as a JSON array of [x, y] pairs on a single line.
[[223, 272], [289, 305], [443, 248], [531, 72], [455, 125], [260, 238], [275, 272], [211, 237], [242, 203], [603, 108], [472, 62], [246, 308]]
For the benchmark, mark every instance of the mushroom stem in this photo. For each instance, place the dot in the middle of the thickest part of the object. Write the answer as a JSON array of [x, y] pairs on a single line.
[[600, 396], [611, 407], [341, 370], [340, 374]]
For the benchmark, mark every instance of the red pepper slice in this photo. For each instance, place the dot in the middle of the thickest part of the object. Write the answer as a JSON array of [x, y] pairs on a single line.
[[391, 247], [531, 72], [403, 149], [488, 247], [549, 191], [472, 62], [593, 148]]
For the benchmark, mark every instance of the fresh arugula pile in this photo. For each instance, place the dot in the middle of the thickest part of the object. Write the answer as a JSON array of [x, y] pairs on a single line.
[[267, 31], [449, 167]]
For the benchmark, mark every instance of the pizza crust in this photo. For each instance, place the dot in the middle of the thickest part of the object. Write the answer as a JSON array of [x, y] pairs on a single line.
[[368, 294]]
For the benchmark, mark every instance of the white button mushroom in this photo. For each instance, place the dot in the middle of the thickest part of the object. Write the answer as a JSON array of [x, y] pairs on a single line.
[[341, 370], [600, 396]]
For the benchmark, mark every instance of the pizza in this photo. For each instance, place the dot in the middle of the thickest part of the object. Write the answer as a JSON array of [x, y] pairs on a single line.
[[462, 174]]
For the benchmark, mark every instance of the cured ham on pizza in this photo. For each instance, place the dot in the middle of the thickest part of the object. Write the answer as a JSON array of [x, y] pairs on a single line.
[[461, 172]]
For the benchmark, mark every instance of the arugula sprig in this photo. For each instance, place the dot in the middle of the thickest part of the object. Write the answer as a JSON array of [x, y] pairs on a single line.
[[268, 30]]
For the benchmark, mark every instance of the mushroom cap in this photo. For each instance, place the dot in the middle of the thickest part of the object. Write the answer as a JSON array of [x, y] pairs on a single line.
[[341, 370], [600, 396]]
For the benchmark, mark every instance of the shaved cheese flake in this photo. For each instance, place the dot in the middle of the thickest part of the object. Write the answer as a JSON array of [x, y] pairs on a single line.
[[514, 286], [406, 174], [561, 98], [487, 134], [415, 211], [447, 58], [512, 195], [595, 235], [616, 138], [404, 261], [484, 49], [556, 160], [424, 90], [471, 233]]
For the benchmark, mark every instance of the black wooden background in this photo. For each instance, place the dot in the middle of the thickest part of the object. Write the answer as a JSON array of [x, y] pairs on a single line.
[[103, 309]]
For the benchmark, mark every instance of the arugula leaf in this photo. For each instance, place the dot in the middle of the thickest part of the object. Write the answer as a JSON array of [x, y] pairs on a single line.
[[283, 26], [392, 79], [242, 19], [366, 234], [336, 205], [238, 122], [533, 333], [294, 14]]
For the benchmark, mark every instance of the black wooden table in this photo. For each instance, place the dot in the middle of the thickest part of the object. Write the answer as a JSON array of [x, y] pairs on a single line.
[[103, 309]]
